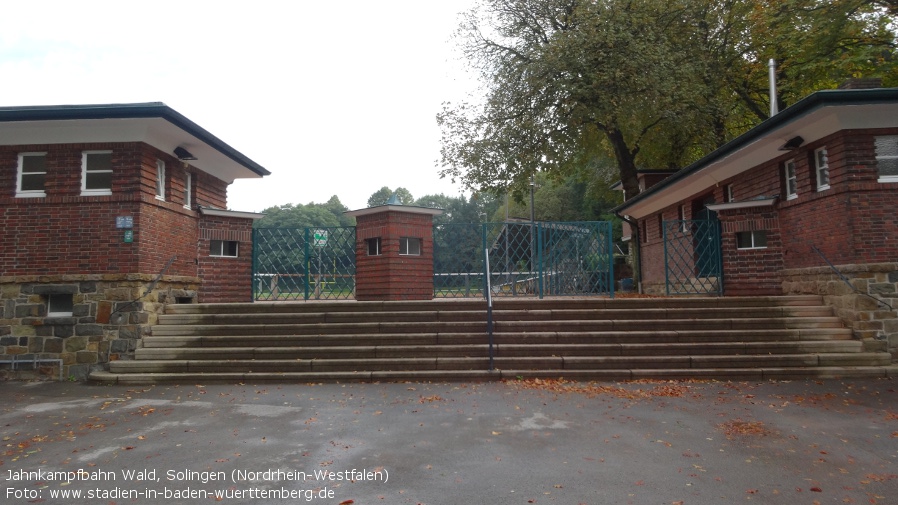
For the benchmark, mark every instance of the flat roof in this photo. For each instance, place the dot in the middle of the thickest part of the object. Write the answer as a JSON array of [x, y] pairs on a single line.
[[812, 118], [152, 122]]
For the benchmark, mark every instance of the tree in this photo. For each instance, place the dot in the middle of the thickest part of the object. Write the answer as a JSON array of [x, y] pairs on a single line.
[[647, 83], [383, 195], [311, 215]]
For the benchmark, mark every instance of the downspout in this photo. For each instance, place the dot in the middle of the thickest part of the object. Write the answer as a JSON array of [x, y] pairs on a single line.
[[774, 105], [637, 257]]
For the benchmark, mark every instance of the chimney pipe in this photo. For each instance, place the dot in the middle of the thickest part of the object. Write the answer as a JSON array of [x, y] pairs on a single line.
[[774, 107]]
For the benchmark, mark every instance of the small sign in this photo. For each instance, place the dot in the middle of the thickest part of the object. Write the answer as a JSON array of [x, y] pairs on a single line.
[[124, 222], [319, 238], [129, 236]]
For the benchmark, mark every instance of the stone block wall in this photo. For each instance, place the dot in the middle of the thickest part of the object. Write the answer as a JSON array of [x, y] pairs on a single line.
[[109, 316], [867, 303]]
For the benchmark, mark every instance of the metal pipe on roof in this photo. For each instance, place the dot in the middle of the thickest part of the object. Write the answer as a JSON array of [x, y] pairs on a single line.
[[774, 107]]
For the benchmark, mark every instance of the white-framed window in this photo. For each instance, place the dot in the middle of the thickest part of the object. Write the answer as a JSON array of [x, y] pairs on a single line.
[[728, 194], [681, 216], [756, 239], [96, 173], [373, 246], [160, 180], [887, 157], [223, 248], [188, 189], [790, 179], [59, 305], [409, 246], [32, 175], [821, 168]]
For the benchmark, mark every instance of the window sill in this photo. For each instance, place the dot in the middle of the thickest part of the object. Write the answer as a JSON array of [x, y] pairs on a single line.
[[40, 194], [823, 188], [96, 192], [889, 179]]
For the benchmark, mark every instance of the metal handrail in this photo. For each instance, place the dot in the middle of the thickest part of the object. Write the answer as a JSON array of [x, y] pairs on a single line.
[[489, 304], [845, 279]]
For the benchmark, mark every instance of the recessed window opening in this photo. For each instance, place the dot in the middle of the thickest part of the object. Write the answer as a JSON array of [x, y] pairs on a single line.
[[188, 187], [96, 173], [32, 175], [756, 239], [409, 246], [791, 180], [223, 248], [60, 305], [160, 180], [821, 164], [373, 246], [887, 157]]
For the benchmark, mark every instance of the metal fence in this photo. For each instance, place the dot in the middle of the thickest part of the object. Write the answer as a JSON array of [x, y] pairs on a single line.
[[692, 258], [525, 259], [303, 263]]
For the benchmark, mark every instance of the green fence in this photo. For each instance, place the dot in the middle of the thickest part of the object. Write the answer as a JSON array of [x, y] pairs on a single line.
[[526, 259], [303, 263], [692, 258]]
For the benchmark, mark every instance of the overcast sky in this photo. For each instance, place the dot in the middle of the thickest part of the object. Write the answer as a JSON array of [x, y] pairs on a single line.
[[333, 98]]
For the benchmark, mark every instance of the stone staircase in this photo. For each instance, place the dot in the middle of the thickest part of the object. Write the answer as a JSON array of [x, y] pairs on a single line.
[[751, 338]]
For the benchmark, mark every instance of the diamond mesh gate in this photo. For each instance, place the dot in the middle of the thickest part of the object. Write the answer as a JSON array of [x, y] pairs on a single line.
[[303, 263], [526, 259], [692, 259]]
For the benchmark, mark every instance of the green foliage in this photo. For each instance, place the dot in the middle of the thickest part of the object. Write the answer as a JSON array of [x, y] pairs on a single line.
[[311, 215], [570, 85], [383, 195]]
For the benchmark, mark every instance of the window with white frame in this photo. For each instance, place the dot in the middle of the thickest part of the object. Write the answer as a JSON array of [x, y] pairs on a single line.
[[821, 168], [728, 194], [160, 180], [223, 248], [409, 246], [681, 216], [32, 176], [96, 173], [791, 180], [60, 305], [756, 239], [188, 188], [887, 157]]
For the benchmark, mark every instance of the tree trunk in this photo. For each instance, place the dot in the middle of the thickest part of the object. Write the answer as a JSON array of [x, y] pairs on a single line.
[[626, 162]]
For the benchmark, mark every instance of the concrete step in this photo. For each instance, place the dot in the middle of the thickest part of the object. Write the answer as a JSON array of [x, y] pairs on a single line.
[[752, 374]]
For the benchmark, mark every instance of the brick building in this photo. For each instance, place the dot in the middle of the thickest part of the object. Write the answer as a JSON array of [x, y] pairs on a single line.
[[806, 202], [107, 213]]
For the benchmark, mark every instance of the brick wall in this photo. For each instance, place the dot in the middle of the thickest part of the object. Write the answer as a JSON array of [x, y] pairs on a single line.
[[390, 276], [225, 279]]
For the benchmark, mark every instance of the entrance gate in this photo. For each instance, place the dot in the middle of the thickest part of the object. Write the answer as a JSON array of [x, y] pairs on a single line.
[[303, 263], [525, 259], [692, 258]]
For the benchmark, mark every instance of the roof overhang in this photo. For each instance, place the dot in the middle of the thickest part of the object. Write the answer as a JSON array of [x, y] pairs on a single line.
[[410, 209], [153, 123], [815, 117], [212, 211]]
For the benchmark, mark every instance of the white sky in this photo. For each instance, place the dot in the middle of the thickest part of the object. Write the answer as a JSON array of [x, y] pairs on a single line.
[[333, 98]]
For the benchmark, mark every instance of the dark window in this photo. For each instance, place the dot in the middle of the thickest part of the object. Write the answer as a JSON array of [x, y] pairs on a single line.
[[223, 248], [373, 246], [409, 246], [751, 239]]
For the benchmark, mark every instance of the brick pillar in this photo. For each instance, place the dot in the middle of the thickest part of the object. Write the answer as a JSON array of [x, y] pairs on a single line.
[[394, 253]]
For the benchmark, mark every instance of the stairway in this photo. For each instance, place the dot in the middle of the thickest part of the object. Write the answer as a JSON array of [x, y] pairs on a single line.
[[739, 338]]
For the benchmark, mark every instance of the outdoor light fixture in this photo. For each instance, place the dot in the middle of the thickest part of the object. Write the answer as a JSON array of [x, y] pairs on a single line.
[[183, 154], [793, 143]]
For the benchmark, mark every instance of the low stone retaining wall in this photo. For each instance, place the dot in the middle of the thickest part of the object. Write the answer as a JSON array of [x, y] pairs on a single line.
[[867, 302], [109, 314]]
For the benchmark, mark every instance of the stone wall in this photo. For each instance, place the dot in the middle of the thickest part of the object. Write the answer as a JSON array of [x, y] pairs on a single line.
[[109, 316], [867, 303]]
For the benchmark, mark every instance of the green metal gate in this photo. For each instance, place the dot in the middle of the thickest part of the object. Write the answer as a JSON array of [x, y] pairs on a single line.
[[526, 259], [692, 258], [304, 263]]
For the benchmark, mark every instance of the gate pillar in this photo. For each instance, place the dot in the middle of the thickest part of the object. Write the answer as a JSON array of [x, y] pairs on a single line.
[[394, 252]]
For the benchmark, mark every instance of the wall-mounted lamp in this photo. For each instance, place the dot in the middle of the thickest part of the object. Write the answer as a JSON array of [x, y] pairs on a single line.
[[183, 154], [793, 143]]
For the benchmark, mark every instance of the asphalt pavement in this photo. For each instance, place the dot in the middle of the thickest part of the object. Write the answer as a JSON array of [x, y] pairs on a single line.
[[516, 442]]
